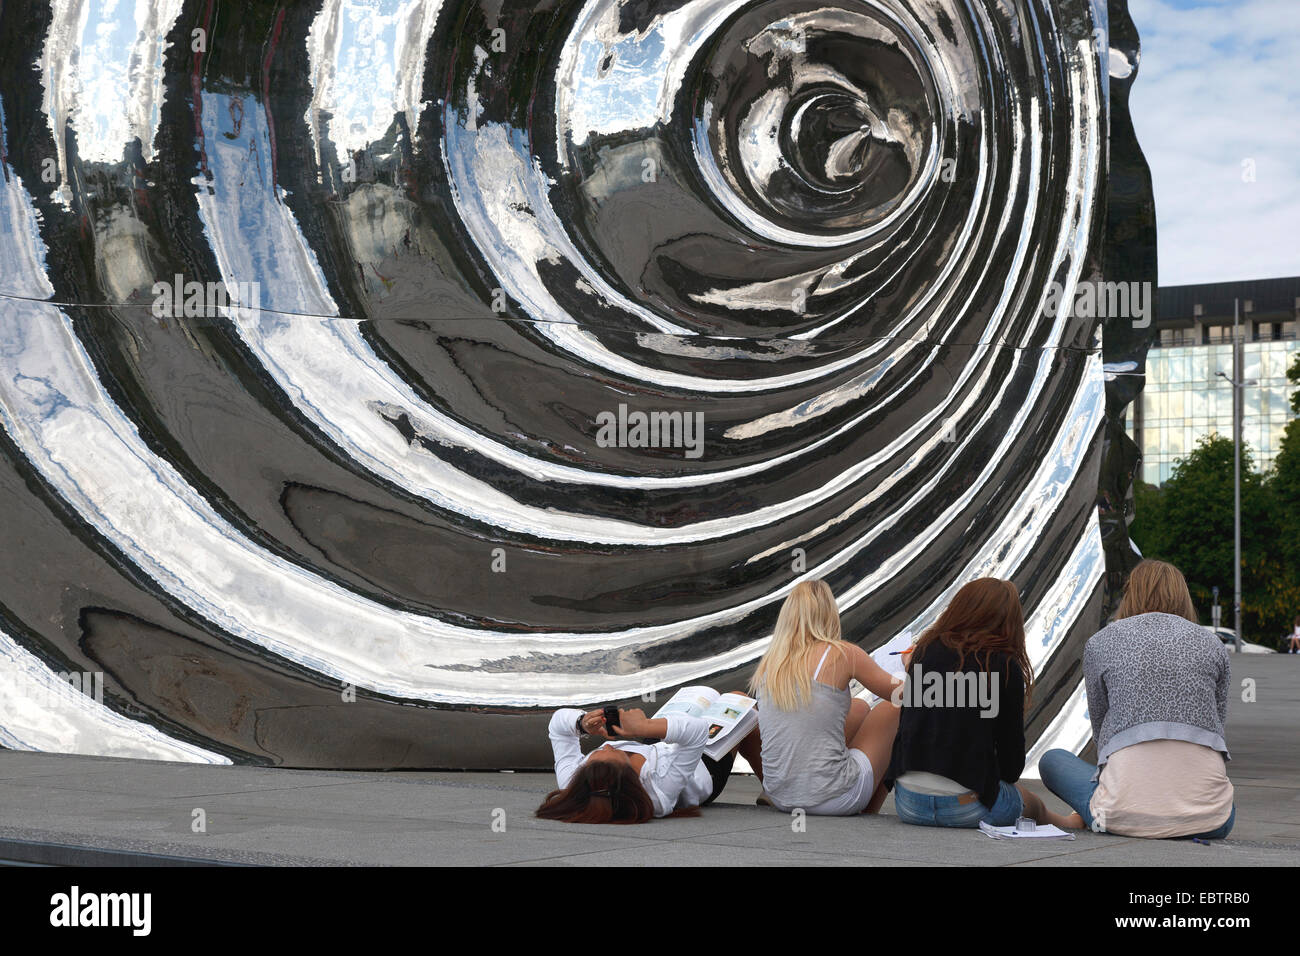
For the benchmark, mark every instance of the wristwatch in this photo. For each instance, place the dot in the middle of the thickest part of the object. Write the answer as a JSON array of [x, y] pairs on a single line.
[[581, 732]]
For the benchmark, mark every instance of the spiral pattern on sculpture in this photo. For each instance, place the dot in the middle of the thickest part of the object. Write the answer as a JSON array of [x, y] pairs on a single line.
[[375, 376]]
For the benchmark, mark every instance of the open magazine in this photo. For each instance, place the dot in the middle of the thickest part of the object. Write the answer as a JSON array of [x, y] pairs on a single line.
[[731, 716], [1042, 831]]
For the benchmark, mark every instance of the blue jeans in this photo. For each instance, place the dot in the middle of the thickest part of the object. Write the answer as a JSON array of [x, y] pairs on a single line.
[[1071, 779], [925, 810]]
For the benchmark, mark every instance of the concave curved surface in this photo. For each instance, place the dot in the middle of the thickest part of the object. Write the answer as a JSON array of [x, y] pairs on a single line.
[[369, 517]]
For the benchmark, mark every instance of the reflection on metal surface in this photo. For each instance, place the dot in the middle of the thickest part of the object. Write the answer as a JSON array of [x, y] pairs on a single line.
[[364, 515]]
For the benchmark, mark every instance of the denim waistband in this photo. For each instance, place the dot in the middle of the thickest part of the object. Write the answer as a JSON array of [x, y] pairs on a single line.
[[956, 799]]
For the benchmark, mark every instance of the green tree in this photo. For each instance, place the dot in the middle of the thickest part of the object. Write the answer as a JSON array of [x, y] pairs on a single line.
[[1293, 376], [1148, 527], [1285, 481], [1284, 486], [1189, 523]]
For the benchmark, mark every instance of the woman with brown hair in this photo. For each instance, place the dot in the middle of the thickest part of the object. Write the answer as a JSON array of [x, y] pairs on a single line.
[[626, 781], [1157, 685], [961, 740]]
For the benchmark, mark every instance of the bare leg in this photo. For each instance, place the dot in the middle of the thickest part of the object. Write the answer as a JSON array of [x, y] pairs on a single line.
[[877, 798], [858, 711], [875, 738], [1037, 811], [751, 748]]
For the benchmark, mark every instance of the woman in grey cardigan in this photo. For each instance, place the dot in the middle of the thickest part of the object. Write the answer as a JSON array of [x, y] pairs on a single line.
[[1157, 685]]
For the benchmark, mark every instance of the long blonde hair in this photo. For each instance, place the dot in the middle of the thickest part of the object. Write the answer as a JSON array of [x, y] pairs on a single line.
[[808, 617], [1156, 586]]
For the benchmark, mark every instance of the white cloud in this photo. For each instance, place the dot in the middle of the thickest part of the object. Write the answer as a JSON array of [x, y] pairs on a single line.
[[1218, 84]]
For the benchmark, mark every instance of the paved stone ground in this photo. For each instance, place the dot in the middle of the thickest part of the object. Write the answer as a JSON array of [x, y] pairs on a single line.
[[86, 810]]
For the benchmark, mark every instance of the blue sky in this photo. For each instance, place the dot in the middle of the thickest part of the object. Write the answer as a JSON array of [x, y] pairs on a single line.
[[1219, 84]]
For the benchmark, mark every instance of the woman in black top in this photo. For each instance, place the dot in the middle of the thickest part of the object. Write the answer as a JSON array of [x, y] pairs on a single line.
[[960, 746]]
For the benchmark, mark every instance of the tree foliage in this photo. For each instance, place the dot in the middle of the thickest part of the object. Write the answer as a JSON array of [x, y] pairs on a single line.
[[1188, 521], [1293, 376]]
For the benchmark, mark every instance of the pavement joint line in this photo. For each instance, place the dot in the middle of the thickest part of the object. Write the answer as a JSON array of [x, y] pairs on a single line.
[[648, 837], [13, 849], [758, 829], [563, 856], [866, 857], [227, 793], [191, 796], [554, 826], [868, 851], [877, 854], [1231, 844], [174, 851], [560, 856], [1056, 856]]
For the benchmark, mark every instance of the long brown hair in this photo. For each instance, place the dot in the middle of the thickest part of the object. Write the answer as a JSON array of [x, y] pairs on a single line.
[[600, 792], [1156, 586], [984, 617]]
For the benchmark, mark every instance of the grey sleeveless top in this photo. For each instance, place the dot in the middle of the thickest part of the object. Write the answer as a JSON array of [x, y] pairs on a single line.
[[805, 758]]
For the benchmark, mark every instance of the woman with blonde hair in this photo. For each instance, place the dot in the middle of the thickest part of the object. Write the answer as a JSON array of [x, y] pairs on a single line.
[[822, 750], [1157, 685]]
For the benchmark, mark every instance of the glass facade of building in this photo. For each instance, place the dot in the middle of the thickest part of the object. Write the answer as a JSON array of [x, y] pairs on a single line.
[[1184, 399]]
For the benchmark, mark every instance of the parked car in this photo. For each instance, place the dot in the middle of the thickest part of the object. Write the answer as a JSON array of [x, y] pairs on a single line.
[[1229, 638]]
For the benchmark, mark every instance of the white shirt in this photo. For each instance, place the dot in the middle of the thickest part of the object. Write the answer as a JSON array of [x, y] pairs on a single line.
[[932, 784], [1161, 789], [673, 774]]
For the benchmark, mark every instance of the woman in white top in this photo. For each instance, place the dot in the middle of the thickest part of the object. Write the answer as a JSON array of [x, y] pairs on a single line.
[[823, 751], [625, 781], [1294, 648]]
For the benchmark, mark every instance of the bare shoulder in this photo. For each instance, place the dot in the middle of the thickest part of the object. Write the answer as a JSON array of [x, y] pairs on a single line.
[[849, 661], [827, 664], [855, 654]]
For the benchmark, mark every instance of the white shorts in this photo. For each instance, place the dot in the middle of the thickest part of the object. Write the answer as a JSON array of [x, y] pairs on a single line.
[[856, 798]]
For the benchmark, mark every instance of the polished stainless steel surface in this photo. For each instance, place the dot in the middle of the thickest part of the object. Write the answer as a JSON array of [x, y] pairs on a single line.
[[315, 322]]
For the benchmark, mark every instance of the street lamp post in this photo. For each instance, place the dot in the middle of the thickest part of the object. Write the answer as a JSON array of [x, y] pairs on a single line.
[[1237, 402], [1237, 384]]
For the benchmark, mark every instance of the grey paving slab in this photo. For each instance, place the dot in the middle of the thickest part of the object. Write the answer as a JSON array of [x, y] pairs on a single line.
[[69, 847], [695, 854], [70, 804], [1178, 854]]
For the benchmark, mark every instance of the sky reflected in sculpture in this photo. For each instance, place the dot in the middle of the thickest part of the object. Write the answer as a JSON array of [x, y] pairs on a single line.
[[456, 243]]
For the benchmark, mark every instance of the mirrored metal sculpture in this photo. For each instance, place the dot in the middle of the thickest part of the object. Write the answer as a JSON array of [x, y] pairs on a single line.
[[377, 376]]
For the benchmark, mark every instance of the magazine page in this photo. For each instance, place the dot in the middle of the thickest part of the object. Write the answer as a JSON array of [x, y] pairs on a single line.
[[730, 718], [890, 658], [689, 700], [726, 712]]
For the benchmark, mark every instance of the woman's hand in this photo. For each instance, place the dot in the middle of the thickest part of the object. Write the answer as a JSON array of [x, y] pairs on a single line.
[[632, 723], [900, 680], [593, 722]]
